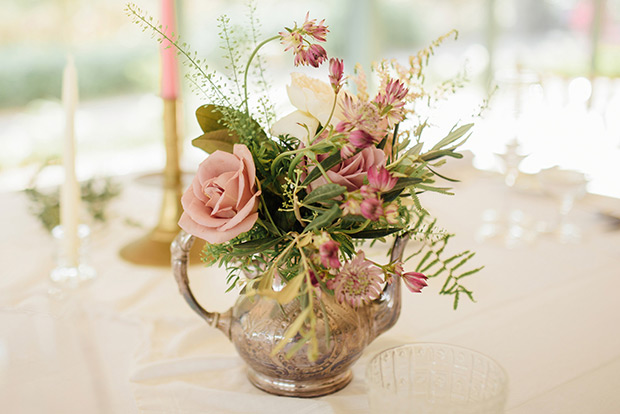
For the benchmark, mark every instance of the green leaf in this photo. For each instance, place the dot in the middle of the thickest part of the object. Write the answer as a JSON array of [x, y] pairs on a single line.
[[442, 190], [325, 219], [216, 135], [443, 176], [346, 244], [375, 233], [289, 292], [452, 136], [432, 155], [209, 117], [255, 246], [405, 182], [401, 184], [327, 163], [324, 193], [391, 195], [222, 140], [292, 330]]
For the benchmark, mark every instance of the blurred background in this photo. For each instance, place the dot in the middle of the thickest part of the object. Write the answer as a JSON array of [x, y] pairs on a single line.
[[563, 108]]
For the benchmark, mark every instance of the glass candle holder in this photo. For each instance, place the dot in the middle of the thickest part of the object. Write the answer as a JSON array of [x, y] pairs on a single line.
[[65, 272], [428, 378]]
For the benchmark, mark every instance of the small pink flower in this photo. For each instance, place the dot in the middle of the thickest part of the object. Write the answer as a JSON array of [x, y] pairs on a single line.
[[313, 279], [414, 281], [336, 72], [390, 212], [391, 101], [351, 207], [329, 254], [371, 209], [316, 55], [313, 54], [368, 192], [347, 151], [395, 91], [292, 40], [362, 121], [317, 30], [358, 282], [361, 139], [380, 179]]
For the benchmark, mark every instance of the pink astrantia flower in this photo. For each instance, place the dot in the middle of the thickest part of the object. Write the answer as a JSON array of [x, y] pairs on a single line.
[[380, 179], [351, 207], [358, 282], [317, 30], [315, 55], [361, 139], [390, 101], [390, 212], [336, 72], [292, 40], [329, 254], [306, 53], [371, 209], [414, 281], [357, 114], [367, 191]]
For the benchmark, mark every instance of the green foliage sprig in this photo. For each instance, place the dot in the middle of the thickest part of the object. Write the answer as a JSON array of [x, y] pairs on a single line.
[[96, 193]]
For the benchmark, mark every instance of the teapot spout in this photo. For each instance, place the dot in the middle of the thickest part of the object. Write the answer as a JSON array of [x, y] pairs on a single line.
[[179, 249], [386, 309]]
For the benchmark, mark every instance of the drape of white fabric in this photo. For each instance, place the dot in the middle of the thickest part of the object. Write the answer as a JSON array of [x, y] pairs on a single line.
[[128, 343]]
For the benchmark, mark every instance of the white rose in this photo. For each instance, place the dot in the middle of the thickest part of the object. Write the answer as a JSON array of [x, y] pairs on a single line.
[[297, 124], [311, 96], [314, 100]]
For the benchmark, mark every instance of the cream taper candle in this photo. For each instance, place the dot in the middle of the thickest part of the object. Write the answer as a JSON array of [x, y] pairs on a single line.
[[70, 190]]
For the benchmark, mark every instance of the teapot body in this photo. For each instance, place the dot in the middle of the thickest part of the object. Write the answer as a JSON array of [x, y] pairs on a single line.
[[259, 323], [256, 324]]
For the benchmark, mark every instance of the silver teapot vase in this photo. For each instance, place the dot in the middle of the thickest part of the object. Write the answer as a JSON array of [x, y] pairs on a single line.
[[255, 325]]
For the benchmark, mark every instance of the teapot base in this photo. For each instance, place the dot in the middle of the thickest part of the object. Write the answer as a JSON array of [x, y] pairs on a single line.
[[315, 387]]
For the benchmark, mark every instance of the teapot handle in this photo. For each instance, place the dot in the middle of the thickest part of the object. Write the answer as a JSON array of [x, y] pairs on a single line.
[[179, 250]]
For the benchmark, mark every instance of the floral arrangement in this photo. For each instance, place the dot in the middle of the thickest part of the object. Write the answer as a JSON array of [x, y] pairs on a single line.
[[289, 200]]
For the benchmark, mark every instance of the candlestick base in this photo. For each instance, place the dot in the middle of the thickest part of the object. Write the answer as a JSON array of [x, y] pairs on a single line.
[[66, 272], [154, 250]]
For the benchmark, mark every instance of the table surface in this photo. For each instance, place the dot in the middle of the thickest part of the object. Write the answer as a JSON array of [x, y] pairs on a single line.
[[126, 342]]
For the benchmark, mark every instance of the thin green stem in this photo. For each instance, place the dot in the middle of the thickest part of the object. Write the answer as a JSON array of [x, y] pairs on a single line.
[[266, 209], [182, 51], [320, 167], [331, 114], [356, 230], [277, 160], [247, 69]]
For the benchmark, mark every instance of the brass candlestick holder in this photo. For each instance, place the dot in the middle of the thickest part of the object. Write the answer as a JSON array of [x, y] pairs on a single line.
[[154, 248]]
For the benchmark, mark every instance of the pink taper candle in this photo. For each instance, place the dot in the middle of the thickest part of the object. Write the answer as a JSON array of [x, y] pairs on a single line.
[[169, 67]]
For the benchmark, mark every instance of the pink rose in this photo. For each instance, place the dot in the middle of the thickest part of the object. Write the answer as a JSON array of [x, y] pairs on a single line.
[[351, 172], [222, 201]]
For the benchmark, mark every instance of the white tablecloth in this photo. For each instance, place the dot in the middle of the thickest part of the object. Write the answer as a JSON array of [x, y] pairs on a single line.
[[127, 342]]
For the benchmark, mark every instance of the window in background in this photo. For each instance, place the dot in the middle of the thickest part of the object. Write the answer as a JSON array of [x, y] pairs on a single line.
[[572, 45]]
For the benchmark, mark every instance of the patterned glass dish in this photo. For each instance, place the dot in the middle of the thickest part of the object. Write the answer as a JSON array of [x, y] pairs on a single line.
[[429, 378]]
